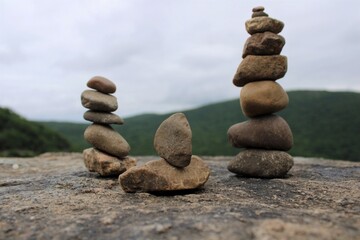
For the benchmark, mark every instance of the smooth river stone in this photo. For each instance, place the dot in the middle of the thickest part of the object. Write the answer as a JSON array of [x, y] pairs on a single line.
[[259, 14], [106, 139], [263, 24], [263, 97], [98, 101], [261, 163], [172, 140], [159, 176], [101, 84], [258, 68], [103, 117], [266, 132], [266, 43], [105, 164]]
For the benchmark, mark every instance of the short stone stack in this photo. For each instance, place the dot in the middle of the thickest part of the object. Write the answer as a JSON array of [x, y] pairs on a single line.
[[109, 155], [265, 136], [177, 169]]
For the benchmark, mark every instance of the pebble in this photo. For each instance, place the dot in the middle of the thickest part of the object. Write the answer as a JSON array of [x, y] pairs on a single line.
[[261, 163], [259, 14], [101, 84], [262, 97], [258, 9], [103, 117], [266, 43], [105, 164], [159, 176], [257, 68], [263, 24], [106, 139], [266, 132], [172, 140], [98, 101]]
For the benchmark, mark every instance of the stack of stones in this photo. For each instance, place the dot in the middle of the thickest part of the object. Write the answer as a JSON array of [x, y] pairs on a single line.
[[265, 135], [177, 169], [108, 157]]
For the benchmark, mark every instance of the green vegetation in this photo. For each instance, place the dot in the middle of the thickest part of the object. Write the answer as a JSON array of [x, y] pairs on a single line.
[[19, 137], [324, 124]]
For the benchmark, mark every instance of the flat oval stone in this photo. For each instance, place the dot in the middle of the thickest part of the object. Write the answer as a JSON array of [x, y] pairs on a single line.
[[172, 140], [98, 101], [101, 84], [266, 132], [106, 139], [103, 117], [105, 164], [257, 68], [159, 176], [263, 97], [258, 9], [263, 24], [261, 163], [266, 43]]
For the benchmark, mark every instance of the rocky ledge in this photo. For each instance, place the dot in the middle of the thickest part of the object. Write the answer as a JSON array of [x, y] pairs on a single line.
[[53, 196]]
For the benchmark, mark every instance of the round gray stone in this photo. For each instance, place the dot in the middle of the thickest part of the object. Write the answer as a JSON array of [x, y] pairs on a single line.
[[261, 163], [105, 138], [98, 101], [266, 132]]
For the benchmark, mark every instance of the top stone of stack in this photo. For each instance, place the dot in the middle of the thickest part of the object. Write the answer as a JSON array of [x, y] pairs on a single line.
[[260, 23], [102, 84]]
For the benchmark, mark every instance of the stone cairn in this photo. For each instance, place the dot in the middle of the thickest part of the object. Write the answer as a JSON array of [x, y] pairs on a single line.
[[108, 157], [177, 169], [265, 136]]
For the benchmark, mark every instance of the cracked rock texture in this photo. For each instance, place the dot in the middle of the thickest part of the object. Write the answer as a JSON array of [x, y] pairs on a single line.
[[53, 196]]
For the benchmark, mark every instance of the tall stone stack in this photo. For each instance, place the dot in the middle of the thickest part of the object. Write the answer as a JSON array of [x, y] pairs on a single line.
[[109, 155], [265, 136]]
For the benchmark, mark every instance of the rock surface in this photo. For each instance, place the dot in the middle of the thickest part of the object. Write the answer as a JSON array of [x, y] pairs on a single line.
[[158, 175], [259, 68], [98, 101], [261, 163], [266, 43], [105, 138], [103, 117], [266, 132], [105, 164], [172, 140], [102, 84], [262, 97], [263, 24], [53, 196]]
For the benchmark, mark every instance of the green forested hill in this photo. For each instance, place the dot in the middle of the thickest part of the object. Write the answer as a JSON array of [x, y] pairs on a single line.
[[19, 137], [324, 124]]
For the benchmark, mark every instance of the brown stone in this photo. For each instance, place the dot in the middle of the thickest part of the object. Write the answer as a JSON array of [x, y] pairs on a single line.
[[259, 68], [105, 164], [261, 163], [105, 138], [266, 132], [258, 9], [259, 14], [98, 101], [103, 117], [172, 140], [263, 24], [101, 84], [266, 43], [158, 175], [263, 97]]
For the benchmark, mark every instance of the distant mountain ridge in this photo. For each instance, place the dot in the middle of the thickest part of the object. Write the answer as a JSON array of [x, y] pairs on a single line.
[[324, 124]]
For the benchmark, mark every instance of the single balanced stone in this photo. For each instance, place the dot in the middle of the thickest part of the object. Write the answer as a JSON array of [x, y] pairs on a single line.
[[177, 169], [109, 155], [265, 136]]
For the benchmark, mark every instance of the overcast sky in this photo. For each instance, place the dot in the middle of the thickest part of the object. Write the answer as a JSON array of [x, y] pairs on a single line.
[[163, 55]]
